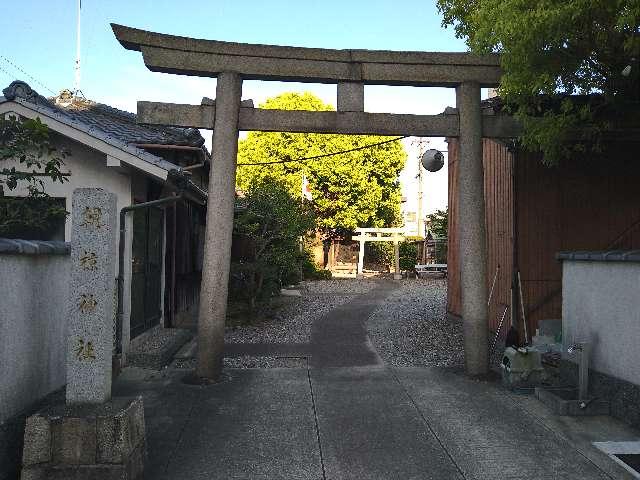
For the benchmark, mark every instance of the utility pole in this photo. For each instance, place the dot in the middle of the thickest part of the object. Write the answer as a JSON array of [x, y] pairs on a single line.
[[421, 143], [76, 83]]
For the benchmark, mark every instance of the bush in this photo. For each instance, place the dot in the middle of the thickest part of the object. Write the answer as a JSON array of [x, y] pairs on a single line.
[[408, 255], [311, 271], [380, 253], [271, 225]]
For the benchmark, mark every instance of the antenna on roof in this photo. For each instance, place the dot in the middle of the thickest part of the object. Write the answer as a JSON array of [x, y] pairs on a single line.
[[76, 83]]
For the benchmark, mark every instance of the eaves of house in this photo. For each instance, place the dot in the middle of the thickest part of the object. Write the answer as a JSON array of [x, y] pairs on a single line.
[[109, 131]]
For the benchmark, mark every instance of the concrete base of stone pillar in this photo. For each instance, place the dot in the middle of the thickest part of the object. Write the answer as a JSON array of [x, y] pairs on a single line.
[[397, 276], [74, 442], [359, 275]]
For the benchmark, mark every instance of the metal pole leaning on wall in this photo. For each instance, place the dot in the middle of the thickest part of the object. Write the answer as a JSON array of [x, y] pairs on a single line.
[[219, 229], [472, 238]]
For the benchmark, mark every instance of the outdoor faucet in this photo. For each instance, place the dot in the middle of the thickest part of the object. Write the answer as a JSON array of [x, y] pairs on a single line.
[[576, 347]]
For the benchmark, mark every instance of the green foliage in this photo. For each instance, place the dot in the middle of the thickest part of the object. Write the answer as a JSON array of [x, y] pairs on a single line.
[[321, 274], [408, 255], [439, 228], [380, 253], [554, 48], [27, 157], [439, 223], [30, 218], [272, 222], [311, 271], [356, 189]]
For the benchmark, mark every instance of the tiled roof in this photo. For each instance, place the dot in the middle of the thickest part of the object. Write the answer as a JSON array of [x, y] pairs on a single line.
[[123, 125], [110, 121], [33, 247], [22, 93]]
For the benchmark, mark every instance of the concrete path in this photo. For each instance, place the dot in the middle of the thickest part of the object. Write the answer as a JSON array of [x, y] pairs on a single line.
[[348, 416]]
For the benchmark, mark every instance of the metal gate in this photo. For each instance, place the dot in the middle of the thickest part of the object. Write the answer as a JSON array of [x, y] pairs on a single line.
[[146, 270]]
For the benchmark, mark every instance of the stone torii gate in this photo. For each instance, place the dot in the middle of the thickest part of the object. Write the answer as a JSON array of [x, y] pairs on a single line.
[[380, 235], [350, 70]]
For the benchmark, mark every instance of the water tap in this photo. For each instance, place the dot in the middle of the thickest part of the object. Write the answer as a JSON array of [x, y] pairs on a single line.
[[576, 347]]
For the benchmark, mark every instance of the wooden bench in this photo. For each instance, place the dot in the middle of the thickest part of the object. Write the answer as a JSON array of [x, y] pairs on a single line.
[[430, 268]]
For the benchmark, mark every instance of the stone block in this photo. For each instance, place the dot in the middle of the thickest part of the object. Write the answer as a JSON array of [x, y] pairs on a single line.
[[88, 442], [564, 401], [136, 415], [119, 435], [37, 441], [350, 97], [112, 441], [34, 472], [135, 464], [74, 441], [88, 472]]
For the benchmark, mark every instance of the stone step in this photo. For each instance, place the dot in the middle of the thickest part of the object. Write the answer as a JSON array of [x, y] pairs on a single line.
[[155, 348]]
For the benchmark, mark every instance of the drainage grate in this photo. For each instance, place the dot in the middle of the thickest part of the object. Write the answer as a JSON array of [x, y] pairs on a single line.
[[627, 454], [632, 460]]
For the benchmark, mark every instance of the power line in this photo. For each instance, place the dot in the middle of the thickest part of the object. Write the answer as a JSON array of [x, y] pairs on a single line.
[[25, 73], [9, 74], [324, 155]]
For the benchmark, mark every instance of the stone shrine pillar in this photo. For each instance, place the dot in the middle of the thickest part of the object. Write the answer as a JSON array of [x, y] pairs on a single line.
[[91, 435], [91, 304], [472, 230]]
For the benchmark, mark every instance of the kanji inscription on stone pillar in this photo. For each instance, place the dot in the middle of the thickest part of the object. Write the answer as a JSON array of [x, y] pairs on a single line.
[[91, 300]]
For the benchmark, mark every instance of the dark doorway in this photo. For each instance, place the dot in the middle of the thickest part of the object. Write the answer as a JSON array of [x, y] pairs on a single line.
[[146, 270]]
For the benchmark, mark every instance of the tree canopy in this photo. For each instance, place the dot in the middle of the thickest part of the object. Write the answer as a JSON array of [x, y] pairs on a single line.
[[355, 189], [551, 49]]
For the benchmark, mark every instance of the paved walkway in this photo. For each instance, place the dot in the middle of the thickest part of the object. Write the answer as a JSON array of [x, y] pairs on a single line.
[[348, 416]]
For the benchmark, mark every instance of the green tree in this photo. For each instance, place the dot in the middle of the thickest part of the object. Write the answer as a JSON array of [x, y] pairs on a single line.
[[355, 189], [439, 227], [551, 49], [27, 158], [439, 223], [270, 223]]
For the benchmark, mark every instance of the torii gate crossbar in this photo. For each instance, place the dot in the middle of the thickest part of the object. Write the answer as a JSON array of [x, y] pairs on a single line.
[[350, 70]]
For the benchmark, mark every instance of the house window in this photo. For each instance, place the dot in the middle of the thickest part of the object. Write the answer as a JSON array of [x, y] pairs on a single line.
[[30, 218]]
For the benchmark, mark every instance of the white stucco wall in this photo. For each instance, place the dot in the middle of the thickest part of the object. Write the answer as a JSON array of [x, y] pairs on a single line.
[[601, 305], [88, 169], [32, 328]]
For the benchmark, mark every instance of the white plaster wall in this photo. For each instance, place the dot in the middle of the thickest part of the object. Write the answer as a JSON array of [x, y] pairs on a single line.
[[601, 305], [32, 328], [88, 170]]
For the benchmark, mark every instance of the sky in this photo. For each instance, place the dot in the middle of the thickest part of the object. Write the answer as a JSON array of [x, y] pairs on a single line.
[[38, 45]]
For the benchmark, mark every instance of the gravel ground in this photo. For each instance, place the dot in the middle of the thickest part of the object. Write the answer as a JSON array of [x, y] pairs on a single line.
[[411, 328], [265, 362], [292, 322], [247, 361]]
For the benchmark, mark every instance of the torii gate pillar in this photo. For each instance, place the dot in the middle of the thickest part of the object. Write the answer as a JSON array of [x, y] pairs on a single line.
[[396, 261], [219, 229], [471, 224], [359, 272]]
